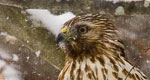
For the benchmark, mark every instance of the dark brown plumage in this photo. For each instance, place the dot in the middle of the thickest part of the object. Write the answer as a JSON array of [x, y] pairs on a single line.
[[94, 51]]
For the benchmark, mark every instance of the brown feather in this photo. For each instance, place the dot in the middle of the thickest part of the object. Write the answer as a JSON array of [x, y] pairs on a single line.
[[96, 53]]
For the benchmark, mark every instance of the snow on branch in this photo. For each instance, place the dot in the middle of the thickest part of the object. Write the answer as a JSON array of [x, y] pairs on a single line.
[[50, 21]]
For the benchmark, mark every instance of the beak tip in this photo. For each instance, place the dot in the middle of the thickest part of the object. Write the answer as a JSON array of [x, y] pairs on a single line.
[[60, 37]]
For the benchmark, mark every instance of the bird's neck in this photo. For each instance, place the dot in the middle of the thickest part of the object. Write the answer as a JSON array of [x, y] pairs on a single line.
[[90, 67], [107, 48], [103, 66]]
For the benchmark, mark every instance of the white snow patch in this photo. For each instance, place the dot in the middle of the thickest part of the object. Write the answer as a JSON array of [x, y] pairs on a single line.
[[28, 58], [28, 41], [50, 21], [2, 63], [38, 53], [10, 73], [7, 17], [15, 57], [116, 1], [120, 11], [8, 70], [26, 20], [146, 3], [147, 61], [8, 37], [4, 54]]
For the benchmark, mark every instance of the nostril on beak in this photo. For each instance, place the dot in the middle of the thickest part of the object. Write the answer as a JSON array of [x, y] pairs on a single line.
[[60, 37]]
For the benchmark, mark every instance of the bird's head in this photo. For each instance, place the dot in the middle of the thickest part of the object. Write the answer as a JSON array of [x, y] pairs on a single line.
[[87, 33]]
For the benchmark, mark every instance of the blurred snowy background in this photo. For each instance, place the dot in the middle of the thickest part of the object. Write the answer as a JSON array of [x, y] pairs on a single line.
[[28, 29]]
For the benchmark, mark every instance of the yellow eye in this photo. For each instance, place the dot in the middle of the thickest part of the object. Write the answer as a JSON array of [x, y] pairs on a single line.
[[83, 29]]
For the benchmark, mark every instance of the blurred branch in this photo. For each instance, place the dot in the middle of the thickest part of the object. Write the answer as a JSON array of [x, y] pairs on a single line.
[[11, 5]]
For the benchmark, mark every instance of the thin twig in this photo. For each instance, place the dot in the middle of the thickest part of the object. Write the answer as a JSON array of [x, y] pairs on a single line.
[[12, 5], [130, 71]]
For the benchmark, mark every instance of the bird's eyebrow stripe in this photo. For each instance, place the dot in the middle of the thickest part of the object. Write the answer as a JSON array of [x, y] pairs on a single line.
[[90, 25]]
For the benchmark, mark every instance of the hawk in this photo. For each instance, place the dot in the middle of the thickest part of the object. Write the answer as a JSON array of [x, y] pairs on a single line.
[[94, 51]]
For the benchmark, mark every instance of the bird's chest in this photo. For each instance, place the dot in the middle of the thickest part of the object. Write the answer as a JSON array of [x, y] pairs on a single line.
[[88, 69], [101, 68]]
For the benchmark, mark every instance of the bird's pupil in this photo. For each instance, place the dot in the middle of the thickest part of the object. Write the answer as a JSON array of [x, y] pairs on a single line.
[[82, 29]]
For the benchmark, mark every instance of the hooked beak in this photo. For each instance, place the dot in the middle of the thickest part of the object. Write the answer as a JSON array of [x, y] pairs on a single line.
[[61, 36]]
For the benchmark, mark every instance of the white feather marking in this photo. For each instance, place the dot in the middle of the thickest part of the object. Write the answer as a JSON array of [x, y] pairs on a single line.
[[108, 65]]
